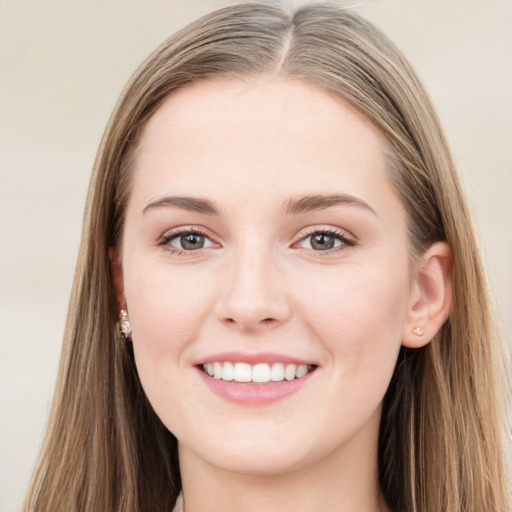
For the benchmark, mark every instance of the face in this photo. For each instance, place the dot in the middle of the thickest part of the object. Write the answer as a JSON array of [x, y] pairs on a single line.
[[266, 274]]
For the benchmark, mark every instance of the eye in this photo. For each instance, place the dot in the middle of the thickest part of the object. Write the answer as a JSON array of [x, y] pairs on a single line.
[[325, 240], [185, 240]]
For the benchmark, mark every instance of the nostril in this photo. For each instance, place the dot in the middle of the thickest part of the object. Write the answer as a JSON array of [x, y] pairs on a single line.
[[264, 322]]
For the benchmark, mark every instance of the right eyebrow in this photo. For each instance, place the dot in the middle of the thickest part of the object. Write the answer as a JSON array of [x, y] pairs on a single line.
[[320, 202], [192, 204]]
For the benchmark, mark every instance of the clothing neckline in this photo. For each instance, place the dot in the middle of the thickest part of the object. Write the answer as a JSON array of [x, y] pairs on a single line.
[[178, 506]]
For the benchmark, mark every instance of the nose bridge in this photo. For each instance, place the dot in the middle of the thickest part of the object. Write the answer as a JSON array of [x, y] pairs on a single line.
[[252, 294]]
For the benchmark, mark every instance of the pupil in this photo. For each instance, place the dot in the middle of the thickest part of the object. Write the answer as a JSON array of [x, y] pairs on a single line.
[[322, 242], [192, 241]]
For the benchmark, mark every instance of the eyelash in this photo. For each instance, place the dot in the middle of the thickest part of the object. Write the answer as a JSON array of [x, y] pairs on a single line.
[[337, 235]]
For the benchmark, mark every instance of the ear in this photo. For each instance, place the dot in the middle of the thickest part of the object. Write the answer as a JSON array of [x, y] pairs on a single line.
[[117, 274], [431, 296]]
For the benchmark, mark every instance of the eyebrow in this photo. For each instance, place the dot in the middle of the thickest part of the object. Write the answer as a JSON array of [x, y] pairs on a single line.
[[320, 202], [298, 205], [192, 204]]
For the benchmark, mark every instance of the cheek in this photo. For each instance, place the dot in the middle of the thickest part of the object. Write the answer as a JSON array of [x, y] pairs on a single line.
[[360, 318], [359, 326], [166, 308], [357, 300]]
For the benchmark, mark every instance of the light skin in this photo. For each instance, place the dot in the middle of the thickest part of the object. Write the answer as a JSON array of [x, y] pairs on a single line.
[[300, 250]]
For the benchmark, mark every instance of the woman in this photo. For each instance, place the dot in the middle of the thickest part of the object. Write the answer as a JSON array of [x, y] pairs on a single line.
[[276, 226]]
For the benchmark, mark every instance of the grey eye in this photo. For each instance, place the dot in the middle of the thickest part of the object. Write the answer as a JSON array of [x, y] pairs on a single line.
[[187, 241], [322, 241], [191, 241]]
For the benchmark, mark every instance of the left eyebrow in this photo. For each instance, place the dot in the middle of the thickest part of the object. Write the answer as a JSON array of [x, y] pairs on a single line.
[[193, 204], [320, 202]]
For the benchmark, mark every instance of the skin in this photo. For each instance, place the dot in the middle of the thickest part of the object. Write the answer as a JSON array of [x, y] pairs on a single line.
[[258, 285]]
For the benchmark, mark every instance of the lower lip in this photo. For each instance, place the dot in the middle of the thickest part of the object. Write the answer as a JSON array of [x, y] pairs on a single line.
[[254, 394]]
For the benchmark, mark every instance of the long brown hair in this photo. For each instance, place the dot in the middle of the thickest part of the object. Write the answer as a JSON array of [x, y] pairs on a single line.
[[442, 436]]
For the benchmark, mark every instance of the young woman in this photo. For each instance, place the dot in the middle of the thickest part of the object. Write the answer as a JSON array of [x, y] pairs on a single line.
[[279, 302]]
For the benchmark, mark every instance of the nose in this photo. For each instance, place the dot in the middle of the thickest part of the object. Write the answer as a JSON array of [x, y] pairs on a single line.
[[253, 294]]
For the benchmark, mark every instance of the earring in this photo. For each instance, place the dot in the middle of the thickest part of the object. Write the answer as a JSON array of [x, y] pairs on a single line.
[[418, 331], [124, 325]]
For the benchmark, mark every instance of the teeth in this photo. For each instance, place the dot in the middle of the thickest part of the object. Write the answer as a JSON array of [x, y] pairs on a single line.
[[217, 371], [277, 372], [228, 371], [289, 371], [261, 373], [258, 373], [301, 371], [243, 372]]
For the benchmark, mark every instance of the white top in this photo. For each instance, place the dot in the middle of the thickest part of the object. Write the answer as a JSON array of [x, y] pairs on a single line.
[[179, 504]]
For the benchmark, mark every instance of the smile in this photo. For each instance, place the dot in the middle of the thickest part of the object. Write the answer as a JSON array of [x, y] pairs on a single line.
[[260, 373]]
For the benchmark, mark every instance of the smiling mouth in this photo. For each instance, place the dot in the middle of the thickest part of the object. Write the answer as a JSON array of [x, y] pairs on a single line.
[[260, 373]]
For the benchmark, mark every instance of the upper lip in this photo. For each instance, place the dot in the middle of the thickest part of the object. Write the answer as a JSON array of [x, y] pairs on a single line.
[[261, 357]]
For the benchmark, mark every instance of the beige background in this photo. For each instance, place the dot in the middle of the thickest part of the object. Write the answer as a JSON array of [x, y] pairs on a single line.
[[62, 66]]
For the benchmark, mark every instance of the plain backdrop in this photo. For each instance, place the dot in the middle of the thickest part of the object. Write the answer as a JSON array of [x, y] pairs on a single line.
[[62, 67]]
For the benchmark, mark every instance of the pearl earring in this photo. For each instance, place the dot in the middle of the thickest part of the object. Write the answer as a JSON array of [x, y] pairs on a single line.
[[418, 331], [124, 325]]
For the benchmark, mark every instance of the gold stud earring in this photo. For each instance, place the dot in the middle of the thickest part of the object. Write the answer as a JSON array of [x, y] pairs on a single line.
[[124, 324], [418, 331]]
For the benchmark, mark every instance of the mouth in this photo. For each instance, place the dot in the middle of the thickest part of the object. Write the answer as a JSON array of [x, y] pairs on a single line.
[[260, 373]]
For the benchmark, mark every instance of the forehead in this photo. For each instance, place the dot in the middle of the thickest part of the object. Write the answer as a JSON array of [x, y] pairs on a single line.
[[275, 136]]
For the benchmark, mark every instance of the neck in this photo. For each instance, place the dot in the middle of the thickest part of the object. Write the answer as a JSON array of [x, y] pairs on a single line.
[[344, 481]]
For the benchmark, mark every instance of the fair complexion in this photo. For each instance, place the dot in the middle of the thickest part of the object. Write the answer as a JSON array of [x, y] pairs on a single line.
[[262, 229]]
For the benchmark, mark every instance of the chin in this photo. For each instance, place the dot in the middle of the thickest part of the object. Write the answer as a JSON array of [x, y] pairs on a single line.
[[246, 453], [256, 463]]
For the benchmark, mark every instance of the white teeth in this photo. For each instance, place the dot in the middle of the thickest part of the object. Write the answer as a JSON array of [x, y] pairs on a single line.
[[289, 371], [217, 371], [243, 372], [259, 373], [302, 370], [277, 372], [228, 371]]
